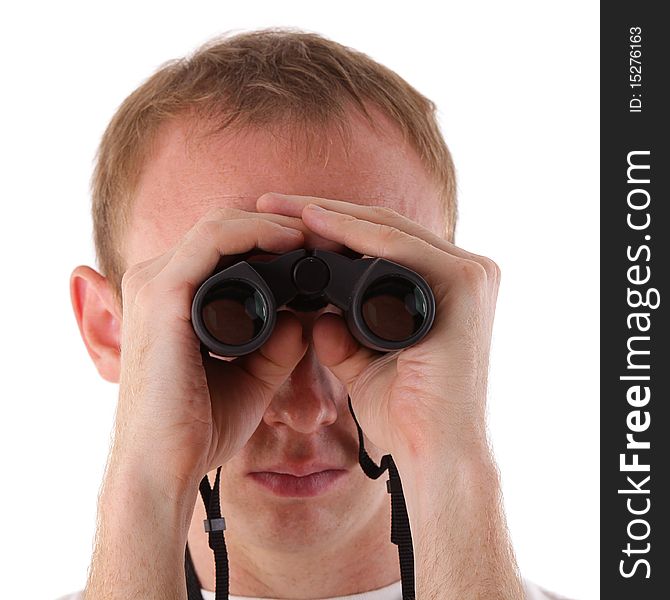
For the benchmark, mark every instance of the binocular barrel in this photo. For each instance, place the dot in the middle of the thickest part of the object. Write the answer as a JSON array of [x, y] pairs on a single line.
[[387, 307]]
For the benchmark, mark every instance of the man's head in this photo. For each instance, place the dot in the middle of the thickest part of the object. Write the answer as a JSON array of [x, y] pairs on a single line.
[[271, 111], [293, 84]]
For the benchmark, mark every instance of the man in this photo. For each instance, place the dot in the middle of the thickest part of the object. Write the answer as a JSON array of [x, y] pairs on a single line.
[[277, 140]]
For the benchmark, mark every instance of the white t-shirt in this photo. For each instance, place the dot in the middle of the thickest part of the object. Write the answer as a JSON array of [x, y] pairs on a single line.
[[391, 592]]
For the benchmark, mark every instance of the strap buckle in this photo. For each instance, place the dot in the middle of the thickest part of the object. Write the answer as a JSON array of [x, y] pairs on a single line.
[[215, 524]]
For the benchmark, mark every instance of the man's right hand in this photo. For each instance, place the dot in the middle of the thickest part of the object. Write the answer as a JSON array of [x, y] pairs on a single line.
[[182, 413]]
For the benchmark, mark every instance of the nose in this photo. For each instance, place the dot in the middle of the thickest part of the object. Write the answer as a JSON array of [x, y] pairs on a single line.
[[306, 401]]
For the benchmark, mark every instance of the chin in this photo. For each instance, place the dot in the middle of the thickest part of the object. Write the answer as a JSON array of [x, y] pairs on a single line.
[[294, 524]]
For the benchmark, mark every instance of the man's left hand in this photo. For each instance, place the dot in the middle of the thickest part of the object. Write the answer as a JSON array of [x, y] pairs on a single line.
[[426, 402]]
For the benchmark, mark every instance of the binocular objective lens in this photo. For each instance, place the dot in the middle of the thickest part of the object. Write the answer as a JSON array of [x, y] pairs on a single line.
[[235, 313], [394, 308]]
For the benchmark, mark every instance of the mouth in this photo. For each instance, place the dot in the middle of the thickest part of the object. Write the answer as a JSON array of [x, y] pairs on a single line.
[[296, 482]]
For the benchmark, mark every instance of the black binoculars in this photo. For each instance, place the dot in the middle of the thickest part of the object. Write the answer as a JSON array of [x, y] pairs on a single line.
[[387, 307]]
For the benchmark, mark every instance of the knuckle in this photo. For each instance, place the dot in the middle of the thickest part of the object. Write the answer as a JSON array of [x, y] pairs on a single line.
[[386, 212], [211, 214], [129, 279], [126, 277], [388, 237], [262, 227], [207, 229], [257, 230], [492, 269], [473, 274]]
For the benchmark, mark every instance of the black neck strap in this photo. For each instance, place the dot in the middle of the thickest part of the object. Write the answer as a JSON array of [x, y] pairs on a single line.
[[401, 535], [215, 525]]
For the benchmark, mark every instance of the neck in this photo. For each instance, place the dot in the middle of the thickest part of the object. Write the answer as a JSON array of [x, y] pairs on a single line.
[[354, 562]]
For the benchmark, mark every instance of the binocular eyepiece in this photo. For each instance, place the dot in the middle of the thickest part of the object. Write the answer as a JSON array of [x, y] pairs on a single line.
[[386, 306]]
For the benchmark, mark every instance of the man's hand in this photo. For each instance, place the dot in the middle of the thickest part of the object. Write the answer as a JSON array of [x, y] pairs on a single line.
[[425, 404], [168, 415]]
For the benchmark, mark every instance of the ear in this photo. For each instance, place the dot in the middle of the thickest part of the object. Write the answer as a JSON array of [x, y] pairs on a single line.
[[99, 318]]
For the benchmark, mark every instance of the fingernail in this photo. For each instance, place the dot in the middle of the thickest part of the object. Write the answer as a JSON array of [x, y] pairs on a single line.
[[270, 195], [315, 207]]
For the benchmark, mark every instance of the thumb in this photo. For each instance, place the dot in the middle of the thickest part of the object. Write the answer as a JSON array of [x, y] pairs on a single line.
[[241, 390], [368, 375], [275, 360], [338, 350]]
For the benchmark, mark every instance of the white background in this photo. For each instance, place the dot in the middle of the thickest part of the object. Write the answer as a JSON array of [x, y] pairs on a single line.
[[517, 88]]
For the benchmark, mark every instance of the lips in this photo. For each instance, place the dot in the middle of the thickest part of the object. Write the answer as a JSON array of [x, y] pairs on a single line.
[[299, 470], [298, 480]]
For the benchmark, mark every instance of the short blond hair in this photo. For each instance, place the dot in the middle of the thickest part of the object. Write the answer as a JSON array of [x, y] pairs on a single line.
[[255, 79]]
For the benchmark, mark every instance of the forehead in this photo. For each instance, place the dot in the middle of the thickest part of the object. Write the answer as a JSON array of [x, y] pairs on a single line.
[[188, 173]]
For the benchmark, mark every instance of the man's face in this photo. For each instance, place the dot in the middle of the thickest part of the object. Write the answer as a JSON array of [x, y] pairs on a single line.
[[308, 419]]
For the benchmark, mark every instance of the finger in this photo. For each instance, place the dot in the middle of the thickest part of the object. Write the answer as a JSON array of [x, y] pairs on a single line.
[[288, 204], [338, 350], [144, 271], [293, 205], [246, 386], [352, 363], [256, 377], [310, 239], [287, 210], [272, 363], [138, 274], [203, 246], [226, 214], [383, 241]]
